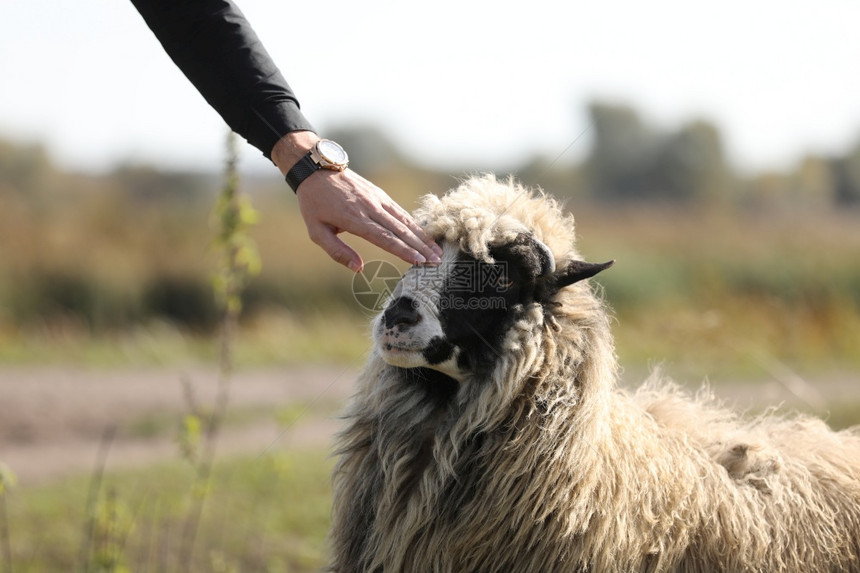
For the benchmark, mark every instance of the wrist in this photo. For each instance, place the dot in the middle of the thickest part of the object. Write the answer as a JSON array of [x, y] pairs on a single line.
[[324, 154], [291, 148]]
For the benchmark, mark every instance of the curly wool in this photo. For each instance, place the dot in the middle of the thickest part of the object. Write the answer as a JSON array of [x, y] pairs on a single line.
[[483, 212], [548, 466]]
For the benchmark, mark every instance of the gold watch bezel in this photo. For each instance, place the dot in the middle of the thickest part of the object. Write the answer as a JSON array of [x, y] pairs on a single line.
[[319, 157]]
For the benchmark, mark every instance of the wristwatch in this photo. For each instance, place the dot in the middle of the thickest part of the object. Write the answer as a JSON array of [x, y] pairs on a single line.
[[325, 154]]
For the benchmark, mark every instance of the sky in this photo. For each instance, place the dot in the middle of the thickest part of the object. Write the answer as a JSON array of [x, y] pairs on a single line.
[[459, 84]]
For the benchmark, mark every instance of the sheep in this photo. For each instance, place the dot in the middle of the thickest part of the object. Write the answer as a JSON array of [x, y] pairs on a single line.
[[488, 434]]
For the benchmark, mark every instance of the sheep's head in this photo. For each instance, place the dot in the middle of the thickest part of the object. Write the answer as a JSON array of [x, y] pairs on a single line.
[[454, 317]]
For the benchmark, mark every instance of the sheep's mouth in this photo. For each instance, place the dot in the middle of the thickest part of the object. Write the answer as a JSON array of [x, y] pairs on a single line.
[[434, 351], [394, 347], [396, 341], [401, 356], [411, 346]]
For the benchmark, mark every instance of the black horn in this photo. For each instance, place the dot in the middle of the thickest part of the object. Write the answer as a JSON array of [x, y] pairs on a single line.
[[576, 271]]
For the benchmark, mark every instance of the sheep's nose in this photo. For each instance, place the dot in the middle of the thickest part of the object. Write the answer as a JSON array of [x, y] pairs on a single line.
[[402, 312]]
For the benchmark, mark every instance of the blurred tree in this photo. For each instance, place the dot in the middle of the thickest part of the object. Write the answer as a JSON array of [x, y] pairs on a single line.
[[812, 183], [846, 175], [24, 169], [690, 165], [622, 154], [765, 191], [631, 161]]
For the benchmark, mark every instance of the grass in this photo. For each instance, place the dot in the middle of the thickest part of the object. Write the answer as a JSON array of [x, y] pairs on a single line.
[[738, 338], [709, 291], [274, 338], [721, 337], [265, 513], [842, 415], [164, 424]]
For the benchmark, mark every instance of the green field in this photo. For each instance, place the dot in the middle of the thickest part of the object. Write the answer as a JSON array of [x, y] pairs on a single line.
[[715, 289], [263, 513], [762, 302]]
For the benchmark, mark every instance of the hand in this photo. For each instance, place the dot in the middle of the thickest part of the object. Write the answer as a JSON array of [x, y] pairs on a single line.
[[333, 202]]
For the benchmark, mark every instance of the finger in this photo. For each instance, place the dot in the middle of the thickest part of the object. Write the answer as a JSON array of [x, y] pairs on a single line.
[[407, 234], [386, 239], [340, 252], [379, 207], [412, 225]]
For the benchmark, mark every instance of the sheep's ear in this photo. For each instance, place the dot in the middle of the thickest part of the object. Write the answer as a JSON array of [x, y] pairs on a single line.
[[576, 271], [530, 254]]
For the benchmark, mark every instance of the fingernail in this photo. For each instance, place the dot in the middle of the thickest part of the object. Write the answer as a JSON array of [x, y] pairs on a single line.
[[435, 259], [354, 266], [419, 259], [437, 249]]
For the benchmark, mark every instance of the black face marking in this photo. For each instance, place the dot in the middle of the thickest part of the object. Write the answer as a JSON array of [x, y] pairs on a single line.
[[439, 350], [475, 316]]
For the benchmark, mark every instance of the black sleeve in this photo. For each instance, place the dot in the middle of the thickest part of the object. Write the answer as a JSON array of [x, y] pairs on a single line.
[[216, 48]]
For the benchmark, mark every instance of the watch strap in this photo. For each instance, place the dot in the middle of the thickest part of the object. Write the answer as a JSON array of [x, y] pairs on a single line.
[[300, 171]]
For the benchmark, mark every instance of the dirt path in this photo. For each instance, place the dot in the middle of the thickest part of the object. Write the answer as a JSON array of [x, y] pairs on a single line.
[[52, 419]]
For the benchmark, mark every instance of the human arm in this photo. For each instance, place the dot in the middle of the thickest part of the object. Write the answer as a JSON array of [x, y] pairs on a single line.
[[218, 51], [216, 48]]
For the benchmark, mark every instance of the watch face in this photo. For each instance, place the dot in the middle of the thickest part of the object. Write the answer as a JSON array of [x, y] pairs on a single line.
[[332, 152]]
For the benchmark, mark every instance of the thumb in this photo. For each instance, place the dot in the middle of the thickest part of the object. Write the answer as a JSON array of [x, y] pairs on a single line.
[[339, 251]]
